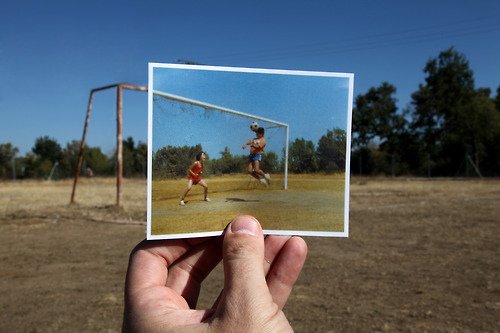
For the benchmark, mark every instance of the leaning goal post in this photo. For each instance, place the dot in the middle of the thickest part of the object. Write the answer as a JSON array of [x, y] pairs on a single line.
[[239, 114]]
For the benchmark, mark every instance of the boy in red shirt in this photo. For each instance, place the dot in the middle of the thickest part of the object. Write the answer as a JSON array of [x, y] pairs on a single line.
[[194, 177]]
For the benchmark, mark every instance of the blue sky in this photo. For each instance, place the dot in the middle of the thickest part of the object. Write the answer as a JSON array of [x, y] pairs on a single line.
[[310, 103], [52, 53]]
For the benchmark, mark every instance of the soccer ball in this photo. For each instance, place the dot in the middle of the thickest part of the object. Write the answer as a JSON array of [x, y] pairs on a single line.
[[254, 126]]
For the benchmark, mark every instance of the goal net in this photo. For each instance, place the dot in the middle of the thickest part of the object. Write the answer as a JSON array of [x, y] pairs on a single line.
[[181, 127]]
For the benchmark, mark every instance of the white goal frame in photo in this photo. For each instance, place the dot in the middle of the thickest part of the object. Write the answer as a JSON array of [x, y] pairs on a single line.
[[207, 106]]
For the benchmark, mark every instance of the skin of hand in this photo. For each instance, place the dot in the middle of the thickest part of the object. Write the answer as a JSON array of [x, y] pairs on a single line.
[[164, 280]]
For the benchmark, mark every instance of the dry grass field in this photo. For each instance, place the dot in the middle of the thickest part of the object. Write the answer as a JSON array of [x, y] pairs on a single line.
[[422, 256]]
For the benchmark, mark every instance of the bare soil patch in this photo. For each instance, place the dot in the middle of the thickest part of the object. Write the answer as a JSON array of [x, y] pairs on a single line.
[[422, 256]]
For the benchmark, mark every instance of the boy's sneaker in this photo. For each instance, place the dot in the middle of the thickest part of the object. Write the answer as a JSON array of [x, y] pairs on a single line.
[[207, 199], [268, 178], [182, 203]]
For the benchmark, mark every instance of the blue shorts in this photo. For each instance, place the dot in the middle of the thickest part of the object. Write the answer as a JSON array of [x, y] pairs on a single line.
[[254, 157]]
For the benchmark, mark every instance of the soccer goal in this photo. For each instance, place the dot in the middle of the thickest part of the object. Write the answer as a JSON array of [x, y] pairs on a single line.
[[179, 122]]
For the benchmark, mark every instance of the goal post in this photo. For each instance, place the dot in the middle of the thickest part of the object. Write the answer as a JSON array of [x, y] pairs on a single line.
[[119, 144], [272, 124]]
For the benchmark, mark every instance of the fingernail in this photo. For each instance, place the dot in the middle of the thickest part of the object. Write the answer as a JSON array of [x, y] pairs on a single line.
[[245, 225]]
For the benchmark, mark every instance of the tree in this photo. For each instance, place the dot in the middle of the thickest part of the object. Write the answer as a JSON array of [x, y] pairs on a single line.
[[134, 158], [302, 156], [47, 149], [172, 162], [70, 158], [441, 109], [456, 124], [375, 116], [141, 158], [7, 153], [497, 99], [270, 162], [93, 158], [226, 164], [376, 121], [332, 150], [481, 134], [97, 161], [47, 152]]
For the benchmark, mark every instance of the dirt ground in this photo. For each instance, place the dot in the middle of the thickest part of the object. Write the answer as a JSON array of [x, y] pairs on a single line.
[[422, 256]]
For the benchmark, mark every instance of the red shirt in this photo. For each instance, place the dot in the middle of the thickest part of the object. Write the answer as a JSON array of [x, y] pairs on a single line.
[[197, 169]]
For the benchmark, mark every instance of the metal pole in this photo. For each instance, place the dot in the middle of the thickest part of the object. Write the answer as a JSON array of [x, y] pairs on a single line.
[[133, 87], [215, 107], [119, 146], [82, 147]]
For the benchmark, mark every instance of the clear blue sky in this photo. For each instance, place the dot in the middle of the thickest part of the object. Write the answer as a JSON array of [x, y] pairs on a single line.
[[53, 52]]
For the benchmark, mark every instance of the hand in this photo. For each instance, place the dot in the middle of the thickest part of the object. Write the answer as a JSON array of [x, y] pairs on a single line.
[[164, 279]]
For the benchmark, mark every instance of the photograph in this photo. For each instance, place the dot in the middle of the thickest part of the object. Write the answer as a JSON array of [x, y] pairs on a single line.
[[227, 141]]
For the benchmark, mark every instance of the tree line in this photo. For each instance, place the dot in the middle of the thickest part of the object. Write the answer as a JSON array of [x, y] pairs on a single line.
[[47, 159], [303, 157], [450, 128]]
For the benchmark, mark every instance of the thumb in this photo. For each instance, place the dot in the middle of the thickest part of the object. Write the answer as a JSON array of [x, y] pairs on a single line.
[[243, 255]]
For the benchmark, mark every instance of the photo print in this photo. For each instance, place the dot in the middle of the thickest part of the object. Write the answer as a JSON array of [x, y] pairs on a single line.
[[225, 141]]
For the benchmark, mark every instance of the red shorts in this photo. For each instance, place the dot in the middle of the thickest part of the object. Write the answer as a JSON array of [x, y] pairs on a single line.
[[195, 180]]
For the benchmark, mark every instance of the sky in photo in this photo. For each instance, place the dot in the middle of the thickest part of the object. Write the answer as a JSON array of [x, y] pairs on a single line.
[[309, 103], [52, 53]]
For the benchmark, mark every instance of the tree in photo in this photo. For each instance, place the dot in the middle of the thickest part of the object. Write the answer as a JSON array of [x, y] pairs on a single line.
[[172, 162], [331, 151], [270, 162], [227, 163], [302, 156]]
